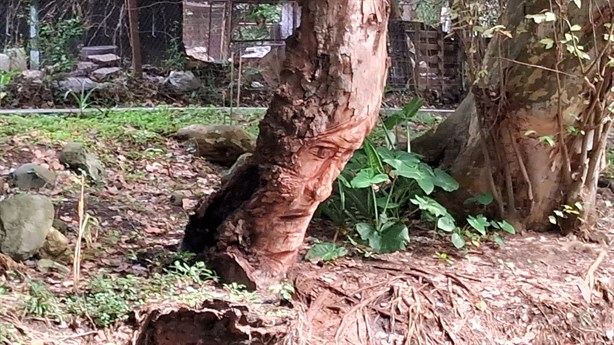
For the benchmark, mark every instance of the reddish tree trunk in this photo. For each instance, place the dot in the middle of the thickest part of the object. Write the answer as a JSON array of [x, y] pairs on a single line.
[[327, 102]]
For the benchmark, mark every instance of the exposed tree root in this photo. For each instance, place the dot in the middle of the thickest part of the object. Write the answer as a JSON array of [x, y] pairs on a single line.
[[216, 322]]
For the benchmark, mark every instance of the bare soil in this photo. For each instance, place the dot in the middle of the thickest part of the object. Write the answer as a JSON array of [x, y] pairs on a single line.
[[540, 288]]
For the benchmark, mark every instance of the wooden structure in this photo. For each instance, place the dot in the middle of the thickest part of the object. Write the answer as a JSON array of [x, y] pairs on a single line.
[[426, 60]]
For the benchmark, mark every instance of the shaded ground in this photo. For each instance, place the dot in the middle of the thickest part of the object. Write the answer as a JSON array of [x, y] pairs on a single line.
[[538, 289]]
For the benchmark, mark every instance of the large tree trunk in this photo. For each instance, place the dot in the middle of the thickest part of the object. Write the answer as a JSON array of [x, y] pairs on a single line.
[[528, 97], [328, 101]]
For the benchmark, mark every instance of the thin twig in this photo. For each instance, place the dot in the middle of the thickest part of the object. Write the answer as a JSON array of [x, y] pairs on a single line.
[[523, 169], [539, 67]]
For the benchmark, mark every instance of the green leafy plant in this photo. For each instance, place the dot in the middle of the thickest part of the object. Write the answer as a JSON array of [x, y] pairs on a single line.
[[108, 299], [239, 293], [5, 80], [326, 251], [195, 272], [379, 185], [567, 211], [381, 188], [41, 302], [82, 99], [56, 40], [285, 290], [176, 57]]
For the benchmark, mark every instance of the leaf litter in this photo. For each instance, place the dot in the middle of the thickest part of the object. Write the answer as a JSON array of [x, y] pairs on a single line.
[[538, 289]]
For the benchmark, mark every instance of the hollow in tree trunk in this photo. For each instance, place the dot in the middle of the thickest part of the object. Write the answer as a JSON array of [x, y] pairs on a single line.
[[536, 137], [327, 102]]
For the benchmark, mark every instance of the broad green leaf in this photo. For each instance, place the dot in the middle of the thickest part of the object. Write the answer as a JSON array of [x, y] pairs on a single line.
[[507, 227], [426, 184], [392, 237], [458, 241], [375, 162], [446, 223], [367, 177], [443, 180], [482, 199], [381, 203], [547, 42], [479, 223], [429, 205], [498, 239], [393, 120], [365, 231], [575, 27], [326, 251], [344, 181], [411, 108], [552, 219], [578, 3], [550, 16], [548, 139]]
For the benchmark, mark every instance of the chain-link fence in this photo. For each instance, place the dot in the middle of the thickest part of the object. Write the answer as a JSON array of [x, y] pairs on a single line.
[[203, 36]]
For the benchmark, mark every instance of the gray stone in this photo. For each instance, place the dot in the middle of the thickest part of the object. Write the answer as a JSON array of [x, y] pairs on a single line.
[[177, 198], [47, 265], [56, 246], [77, 84], [33, 75], [84, 68], [97, 50], [78, 159], [18, 59], [25, 221], [218, 143], [156, 79], [31, 176], [105, 73], [105, 60], [241, 161], [5, 63], [182, 82]]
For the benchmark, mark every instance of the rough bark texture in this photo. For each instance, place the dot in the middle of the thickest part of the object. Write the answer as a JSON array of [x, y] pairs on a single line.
[[522, 99], [328, 101]]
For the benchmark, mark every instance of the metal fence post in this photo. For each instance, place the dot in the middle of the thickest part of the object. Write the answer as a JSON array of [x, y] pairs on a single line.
[[135, 41]]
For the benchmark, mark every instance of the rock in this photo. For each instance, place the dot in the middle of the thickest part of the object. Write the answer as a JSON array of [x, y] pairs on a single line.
[[47, 265], [218, 143], [242, 160], [105, 73], [25, 221], [5, 63], [31, 176], [177, 199], [84, 68], [18, 59], [77, 84], [153, 78], [56, 246], [32, 75], [105, 60], [60, 226], [96, 50], [182, 82], [78, 159]]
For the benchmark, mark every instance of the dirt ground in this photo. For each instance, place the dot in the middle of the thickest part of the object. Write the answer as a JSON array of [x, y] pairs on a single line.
[[539, 288]]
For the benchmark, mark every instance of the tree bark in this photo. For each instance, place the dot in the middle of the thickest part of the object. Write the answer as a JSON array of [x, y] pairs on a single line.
[[530, 96], [327, 103]]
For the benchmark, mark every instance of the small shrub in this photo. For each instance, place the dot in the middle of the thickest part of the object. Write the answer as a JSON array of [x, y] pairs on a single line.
[[382, 187], [41, 302]]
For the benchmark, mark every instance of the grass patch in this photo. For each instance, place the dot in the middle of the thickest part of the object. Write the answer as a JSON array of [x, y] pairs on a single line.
[[130, 127]]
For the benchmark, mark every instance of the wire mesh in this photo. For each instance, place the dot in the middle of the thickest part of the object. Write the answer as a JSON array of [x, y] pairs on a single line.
[[175, 33]]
